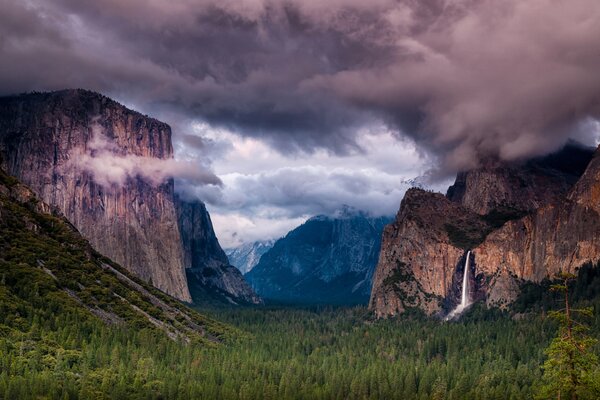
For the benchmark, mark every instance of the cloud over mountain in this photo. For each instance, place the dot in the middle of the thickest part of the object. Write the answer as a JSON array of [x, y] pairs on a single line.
[[109, 166], [466, 79]]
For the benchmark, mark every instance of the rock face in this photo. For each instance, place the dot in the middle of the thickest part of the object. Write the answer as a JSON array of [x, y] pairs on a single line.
[[521, 187], [521, 223], [557, 237], [41, 248], [209, 272], [134, 224], [46, 140], [420, 252], [247, 256], [325, 260]]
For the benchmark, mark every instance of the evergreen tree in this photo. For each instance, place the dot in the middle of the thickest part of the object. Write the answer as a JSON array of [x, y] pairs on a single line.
[[571, 364]]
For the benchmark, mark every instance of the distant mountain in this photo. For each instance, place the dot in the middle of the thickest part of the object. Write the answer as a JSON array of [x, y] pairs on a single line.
[[246, 256], [325, 260]]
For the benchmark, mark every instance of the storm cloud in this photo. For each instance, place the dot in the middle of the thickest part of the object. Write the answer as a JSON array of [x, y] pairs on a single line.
[[265, 193], [301, 106], [466, 79]]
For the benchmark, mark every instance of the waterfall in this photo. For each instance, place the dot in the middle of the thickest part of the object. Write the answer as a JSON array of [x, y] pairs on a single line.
[[464, 297]]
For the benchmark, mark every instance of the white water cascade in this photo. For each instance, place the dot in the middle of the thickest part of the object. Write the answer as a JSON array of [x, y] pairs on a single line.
[[464, 298]]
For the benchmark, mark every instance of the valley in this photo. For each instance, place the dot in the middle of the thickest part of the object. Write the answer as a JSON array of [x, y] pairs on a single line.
[[114, 284], [294, 353], [299, 200]]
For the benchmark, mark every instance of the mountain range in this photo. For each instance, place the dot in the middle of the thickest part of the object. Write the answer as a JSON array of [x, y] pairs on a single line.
[[246, 256], [82, 157]]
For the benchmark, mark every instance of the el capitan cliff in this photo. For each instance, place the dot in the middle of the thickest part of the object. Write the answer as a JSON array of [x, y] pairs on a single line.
[[136, 222]]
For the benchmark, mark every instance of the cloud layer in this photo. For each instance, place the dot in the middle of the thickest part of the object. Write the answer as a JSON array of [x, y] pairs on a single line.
[[304, 105], [108, 165], [265, 193], [467, 79]]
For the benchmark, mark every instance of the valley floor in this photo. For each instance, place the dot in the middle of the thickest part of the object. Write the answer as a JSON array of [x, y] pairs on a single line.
[[337, 353], [287, 353]]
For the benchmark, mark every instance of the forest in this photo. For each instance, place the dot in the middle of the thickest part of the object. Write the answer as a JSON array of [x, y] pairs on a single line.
[[289, 353], [64, 336]]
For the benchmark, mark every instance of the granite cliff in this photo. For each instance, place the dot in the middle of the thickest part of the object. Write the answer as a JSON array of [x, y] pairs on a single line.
[[210, 275], [522, 222], [50, 141], [49, 269]]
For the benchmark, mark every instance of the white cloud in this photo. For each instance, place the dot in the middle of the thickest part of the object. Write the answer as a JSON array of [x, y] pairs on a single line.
[[109, 166]]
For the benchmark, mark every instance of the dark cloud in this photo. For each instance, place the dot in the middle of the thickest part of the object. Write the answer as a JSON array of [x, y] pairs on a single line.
[[467, 79]]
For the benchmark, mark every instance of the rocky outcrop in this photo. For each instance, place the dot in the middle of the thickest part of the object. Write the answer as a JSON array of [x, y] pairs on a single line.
[[521, 223], [209, 273], [325, 260], [247, 256], [420, 252], [520, 187], [557, 237]]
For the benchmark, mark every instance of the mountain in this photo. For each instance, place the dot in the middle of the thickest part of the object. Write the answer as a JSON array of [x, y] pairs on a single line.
[[49, 272], [85, 154], [210, 275], [521, 222], [246, 256], [325, 260], [520, 187]]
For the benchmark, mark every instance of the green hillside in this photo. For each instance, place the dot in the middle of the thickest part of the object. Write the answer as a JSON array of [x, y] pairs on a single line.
[[72, 319]]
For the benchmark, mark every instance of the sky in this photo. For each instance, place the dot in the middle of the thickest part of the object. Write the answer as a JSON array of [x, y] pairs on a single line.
[[294, 108]]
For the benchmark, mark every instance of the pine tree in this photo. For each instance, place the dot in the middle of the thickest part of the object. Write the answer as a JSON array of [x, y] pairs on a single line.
[[569, 368]]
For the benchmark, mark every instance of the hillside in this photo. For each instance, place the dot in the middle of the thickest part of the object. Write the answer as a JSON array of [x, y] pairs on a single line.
[[108, 169], [63, 306]]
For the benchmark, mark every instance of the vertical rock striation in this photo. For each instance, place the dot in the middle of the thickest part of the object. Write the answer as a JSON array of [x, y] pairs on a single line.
[[127, 213], [135, 224], [420, 252], [561, 236]]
